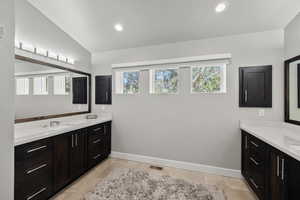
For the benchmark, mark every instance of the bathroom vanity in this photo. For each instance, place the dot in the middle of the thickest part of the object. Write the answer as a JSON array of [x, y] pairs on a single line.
[[49, 158], [271, 159]]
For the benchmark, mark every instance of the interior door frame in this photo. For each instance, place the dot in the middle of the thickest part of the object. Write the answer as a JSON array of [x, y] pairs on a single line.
[[31, 60], [287, 90]]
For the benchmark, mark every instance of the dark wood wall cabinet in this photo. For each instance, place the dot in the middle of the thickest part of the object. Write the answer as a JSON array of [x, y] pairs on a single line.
[[44, 167], [80, 90], [255, 85], [270, 173], [103, 89]]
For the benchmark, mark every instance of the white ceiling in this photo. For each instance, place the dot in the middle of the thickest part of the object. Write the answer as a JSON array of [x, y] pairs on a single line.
[[150, 22]]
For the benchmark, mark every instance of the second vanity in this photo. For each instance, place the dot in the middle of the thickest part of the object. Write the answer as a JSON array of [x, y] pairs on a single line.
[[271, 159], [49, 158]]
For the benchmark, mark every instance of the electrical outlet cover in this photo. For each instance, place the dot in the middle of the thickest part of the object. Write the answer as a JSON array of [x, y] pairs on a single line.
[[261, 112]]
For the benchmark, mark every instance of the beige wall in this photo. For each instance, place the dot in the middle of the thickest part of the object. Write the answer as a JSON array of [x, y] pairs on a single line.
[[7, 99], [194, 128], [292, 38]]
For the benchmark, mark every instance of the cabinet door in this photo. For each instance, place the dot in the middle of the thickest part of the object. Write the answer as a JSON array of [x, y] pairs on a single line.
[[277, 175], [245, 155], [292, 179], [77, 158], [61, 161], [255, 86], [107, 148], [103, 89], [79, 85]]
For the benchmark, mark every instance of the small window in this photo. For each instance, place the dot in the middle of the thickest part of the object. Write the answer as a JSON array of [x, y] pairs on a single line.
[[127, 82], [164, 81], [209, 79], [22, 86], [40, 85], [61, 85]]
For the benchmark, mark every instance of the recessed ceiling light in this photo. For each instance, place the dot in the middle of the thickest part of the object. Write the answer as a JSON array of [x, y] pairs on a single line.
[[119, 27], [220, 7]]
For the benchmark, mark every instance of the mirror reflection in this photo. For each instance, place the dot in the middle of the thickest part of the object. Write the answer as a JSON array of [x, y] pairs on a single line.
[[43, 91], [294, 90]]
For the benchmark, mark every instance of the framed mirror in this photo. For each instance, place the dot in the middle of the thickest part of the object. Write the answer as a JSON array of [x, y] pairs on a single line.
[[44, 90], [292, 90]]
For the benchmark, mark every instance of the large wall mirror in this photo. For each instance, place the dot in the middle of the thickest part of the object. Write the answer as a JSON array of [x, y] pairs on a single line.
[[44, 90], [292, 90]]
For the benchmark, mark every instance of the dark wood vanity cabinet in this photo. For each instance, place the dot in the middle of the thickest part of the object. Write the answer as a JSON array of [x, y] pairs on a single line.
[[277, 175], [99, 143], [271, 174], [44, 167], [69, 156], [34, 170], [78, 153], [103, 89], [255, 86]]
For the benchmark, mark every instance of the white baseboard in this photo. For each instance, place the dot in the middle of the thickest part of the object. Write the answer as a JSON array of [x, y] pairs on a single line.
[[178, 164]]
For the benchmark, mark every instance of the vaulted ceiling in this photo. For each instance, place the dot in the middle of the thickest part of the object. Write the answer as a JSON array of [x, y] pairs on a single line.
[[150, 22]]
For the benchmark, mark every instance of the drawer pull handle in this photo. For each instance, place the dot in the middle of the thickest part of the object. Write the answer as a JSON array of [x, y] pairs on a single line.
[[253, 183], [97, 129], [96, 157], [37, 193], [254, 161], [256, 145], [37, 168], [97, 141], [36, 149]]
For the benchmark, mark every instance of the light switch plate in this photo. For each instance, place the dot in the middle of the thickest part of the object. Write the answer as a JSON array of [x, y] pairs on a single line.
[[1, 32], [261, 112]]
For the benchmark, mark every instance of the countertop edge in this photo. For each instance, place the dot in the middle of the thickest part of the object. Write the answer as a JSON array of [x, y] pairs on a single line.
[[282, 149], [34, 138]]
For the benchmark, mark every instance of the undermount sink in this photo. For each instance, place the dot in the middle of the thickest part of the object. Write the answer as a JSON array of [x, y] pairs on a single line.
[[74, 123], [293, 143], [57, 127]]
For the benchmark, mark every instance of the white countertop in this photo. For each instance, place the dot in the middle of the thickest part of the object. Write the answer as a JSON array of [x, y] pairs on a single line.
[[283, 136], [32, 131]]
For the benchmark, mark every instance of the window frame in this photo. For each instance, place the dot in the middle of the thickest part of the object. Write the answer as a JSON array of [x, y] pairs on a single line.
[[121, 77], [16, 86], [151, 77], [61, 94], [223, 77], [47, 86]]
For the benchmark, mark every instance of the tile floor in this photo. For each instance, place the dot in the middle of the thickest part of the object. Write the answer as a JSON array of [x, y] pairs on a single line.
[[235, 189]]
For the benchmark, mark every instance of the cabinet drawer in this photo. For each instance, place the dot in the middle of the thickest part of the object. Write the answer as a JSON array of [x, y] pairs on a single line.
[[256, 162], [41, 192], [35, 184], [96, 132], [33, 150], [257, 184], [256, 144]]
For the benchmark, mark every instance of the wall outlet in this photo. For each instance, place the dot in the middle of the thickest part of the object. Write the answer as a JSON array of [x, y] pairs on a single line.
[[261, 112], [1, 32]]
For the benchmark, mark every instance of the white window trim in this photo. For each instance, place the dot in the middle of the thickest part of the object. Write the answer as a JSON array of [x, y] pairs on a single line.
[[60, 94], [223, 78], [174, 60], [120, 84], [151, 80], [28, 86], [47, 86]]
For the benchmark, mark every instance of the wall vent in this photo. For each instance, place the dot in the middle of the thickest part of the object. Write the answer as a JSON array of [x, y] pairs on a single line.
[[156, 167]]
